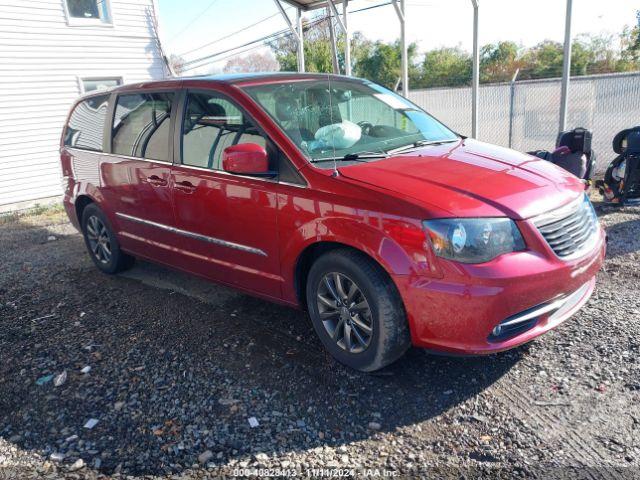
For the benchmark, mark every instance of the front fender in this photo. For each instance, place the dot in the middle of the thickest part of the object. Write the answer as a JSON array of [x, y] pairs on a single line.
[[398, 245]]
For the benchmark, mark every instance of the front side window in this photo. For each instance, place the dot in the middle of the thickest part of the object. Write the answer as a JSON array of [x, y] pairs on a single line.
[[141, 126], [86, 124], [338, 118], [88, 10], [211, 124]]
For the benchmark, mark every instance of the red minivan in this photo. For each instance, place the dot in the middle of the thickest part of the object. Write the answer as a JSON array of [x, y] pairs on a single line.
[[338, 196]]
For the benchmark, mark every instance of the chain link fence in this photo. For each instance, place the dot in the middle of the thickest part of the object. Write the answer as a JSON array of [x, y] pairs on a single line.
[[524, 115]]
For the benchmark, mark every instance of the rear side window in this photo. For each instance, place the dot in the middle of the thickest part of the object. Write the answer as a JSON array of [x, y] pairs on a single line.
[[141, 126], [86, 124]]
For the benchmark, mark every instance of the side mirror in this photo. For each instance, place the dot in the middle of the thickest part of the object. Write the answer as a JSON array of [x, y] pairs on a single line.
[[247, 159]]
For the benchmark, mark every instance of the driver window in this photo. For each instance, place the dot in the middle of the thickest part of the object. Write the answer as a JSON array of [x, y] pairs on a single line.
[[211, 124]]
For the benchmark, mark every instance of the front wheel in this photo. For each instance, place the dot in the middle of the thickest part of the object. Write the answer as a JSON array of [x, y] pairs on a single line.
[[102, 243], [356, 310]]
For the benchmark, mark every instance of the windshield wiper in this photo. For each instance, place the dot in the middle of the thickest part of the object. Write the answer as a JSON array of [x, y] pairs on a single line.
[[421, 143], [353, 157]]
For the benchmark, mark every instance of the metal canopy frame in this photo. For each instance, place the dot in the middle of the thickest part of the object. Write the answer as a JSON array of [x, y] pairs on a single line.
[[566, 68], [308, 5], [401, 11], [342, 20]]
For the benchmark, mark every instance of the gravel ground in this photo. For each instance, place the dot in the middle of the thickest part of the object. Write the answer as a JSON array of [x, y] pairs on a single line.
[[180, 368]]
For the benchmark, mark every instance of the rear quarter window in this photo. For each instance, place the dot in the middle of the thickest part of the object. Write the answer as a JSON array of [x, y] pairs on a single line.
[[141, 125], [85, 129]]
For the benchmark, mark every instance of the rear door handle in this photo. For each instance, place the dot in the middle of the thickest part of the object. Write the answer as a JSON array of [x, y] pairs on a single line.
[[186, 187], [156, 181]]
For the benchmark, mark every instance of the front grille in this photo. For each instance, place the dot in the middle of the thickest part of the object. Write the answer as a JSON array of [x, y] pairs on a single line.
[[571, 230]]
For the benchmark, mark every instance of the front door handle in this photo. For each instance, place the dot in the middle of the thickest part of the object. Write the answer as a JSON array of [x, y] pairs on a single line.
[[186, 187], [156, 181]]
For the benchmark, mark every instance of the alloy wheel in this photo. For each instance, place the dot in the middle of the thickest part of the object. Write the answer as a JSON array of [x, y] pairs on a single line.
[[98, 239], [345, 312]]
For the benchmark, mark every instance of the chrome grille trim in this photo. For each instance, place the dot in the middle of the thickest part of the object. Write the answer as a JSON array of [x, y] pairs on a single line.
[[524, 321], [571, 230]]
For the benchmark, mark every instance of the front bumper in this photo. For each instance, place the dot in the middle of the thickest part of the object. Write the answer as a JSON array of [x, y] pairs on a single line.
[[459, 313]]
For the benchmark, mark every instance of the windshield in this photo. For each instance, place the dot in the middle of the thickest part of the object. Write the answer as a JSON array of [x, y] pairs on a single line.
[[346, 119]]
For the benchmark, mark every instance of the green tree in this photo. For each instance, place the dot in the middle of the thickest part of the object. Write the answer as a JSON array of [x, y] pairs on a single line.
[[593, 54], [443, 67], [499, 61], [630, 43], [381, 63], [317, 48], [544, 60], [582, 56]]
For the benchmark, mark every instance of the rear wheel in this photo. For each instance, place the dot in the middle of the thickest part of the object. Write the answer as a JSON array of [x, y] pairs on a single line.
[[102, 243], [356, 310]]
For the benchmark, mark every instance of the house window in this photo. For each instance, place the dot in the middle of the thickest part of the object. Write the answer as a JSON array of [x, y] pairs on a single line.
[[91, 84], [88, 12]]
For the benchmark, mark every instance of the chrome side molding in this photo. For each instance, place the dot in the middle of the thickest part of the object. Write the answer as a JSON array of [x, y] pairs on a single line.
[[196, 236]]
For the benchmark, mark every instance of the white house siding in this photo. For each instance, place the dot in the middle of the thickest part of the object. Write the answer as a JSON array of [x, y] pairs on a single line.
[[42, 59]]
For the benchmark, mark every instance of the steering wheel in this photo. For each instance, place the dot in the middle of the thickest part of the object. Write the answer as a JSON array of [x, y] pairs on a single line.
[[365, 127]]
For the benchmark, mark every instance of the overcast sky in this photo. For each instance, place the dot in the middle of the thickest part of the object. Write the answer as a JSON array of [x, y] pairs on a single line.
[[186, 25]]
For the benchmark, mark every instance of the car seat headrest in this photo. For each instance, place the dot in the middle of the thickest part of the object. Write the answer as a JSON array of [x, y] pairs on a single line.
[[633, 142], [285, 109], [217, 110], [578, 140], [618, 141]]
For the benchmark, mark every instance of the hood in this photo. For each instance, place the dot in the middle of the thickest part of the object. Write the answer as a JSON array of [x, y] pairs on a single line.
[[472, 179]]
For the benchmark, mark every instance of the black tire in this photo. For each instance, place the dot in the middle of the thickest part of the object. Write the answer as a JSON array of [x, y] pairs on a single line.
[[389, 338], [92, 222]]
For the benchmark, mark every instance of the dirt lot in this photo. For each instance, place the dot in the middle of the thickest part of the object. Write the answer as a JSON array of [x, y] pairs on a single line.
[[179, 366]]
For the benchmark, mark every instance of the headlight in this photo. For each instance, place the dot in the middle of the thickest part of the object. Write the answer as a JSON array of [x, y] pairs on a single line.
[[473, 240]]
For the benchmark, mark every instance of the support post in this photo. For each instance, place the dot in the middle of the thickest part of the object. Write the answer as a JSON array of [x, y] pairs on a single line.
[[512, 95], [475, 81], [566, 68], [297, 32], [332, 38], [347, 38], [401, 11], [301, 66], [343, 23]]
